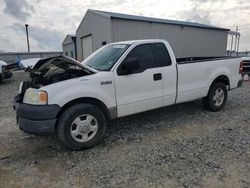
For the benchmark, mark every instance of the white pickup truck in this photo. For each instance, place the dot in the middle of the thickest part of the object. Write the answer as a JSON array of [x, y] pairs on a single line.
[[75, 100]]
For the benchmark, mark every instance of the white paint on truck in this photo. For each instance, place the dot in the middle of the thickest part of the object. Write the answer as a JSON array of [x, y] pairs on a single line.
[[194, 79]]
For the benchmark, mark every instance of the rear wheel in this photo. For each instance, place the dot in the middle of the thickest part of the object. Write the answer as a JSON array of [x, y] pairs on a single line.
[[216, 98], [81, 126]]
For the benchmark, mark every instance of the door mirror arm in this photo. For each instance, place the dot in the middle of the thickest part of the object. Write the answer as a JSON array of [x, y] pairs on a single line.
[[128, 66]]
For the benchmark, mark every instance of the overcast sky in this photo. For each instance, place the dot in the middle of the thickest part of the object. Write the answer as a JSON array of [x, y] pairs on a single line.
[[51, 20]]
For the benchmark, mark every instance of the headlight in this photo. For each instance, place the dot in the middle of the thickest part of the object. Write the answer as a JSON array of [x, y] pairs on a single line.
[[35, 96]]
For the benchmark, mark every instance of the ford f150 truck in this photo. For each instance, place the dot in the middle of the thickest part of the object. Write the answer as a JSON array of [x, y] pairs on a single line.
[[75, 100]]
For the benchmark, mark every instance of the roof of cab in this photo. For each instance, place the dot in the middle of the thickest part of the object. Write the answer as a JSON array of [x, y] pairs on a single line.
[[140, 41]]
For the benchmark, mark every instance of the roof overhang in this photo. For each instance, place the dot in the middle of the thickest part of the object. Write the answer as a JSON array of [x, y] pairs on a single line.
[[234, 33]]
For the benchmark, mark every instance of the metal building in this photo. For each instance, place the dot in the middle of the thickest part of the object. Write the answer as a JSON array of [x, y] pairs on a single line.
[[69, 46], [186, 38]]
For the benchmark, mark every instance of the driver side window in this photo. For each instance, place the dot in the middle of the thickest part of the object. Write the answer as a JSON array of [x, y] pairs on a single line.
[[144, 55]]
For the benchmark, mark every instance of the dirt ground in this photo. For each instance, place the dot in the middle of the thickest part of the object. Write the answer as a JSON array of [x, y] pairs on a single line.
[[177, 146]]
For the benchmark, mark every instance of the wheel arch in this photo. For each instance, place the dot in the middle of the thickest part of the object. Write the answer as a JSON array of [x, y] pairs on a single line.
[[223, 79], [88, 100]]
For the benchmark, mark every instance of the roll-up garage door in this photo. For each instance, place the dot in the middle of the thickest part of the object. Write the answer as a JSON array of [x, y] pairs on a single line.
[[86, 46]]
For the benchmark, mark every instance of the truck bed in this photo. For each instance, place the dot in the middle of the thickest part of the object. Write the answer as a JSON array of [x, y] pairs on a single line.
[[195, 75]]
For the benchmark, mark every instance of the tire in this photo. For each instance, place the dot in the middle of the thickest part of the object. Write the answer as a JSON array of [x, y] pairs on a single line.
[[213, 103], [75, 121]]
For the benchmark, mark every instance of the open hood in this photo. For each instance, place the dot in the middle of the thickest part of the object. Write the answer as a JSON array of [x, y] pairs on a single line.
[[37, 63], [55, 69], [28, 63]]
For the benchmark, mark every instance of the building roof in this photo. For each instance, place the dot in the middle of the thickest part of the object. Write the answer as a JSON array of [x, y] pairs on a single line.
[[69, 38], [156, 20]]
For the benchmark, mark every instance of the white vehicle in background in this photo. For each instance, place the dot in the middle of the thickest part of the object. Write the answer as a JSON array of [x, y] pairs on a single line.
[[4, 73], [75, 100], [246, 66]]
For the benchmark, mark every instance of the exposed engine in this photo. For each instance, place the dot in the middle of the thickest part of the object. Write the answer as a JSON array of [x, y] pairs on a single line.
[[50, 71], [48, 76]]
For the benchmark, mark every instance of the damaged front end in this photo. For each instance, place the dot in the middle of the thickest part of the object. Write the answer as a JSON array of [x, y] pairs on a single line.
[[34, 114], [51, 70]]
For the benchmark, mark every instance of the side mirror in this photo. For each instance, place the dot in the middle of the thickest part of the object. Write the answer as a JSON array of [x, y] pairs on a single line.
[[129, 66]]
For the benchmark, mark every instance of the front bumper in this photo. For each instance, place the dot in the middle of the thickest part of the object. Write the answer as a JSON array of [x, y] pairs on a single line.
[[37, 119], [37, 127]]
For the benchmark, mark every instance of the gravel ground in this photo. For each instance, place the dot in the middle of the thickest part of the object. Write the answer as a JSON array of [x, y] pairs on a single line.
[[177, 146]]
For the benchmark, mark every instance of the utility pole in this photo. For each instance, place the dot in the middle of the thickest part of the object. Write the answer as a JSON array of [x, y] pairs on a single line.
[[232, 41], [238, 44], [236, 37], [27, 35]]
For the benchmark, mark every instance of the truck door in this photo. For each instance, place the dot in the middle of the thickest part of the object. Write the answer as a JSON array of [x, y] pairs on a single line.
[[169, 72], [140, 89]]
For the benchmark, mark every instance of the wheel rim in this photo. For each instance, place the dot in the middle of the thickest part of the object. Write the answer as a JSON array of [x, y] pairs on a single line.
[[218, 97], [84, 128]]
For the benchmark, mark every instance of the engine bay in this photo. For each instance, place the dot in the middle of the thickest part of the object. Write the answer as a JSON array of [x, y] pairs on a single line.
[[52, 70]]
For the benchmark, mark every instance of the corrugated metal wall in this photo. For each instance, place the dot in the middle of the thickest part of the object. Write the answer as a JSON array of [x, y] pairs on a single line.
[[95, 25], [185, 41], [11, 57]]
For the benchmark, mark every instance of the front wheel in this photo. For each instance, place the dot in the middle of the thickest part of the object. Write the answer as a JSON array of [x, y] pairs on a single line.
[[81, 126], [216, 98]]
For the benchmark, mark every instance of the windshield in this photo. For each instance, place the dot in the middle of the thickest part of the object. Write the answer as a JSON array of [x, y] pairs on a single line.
[[105, 58]]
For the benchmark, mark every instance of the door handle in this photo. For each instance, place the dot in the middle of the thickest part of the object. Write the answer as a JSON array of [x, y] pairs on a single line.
[[157, 76]]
